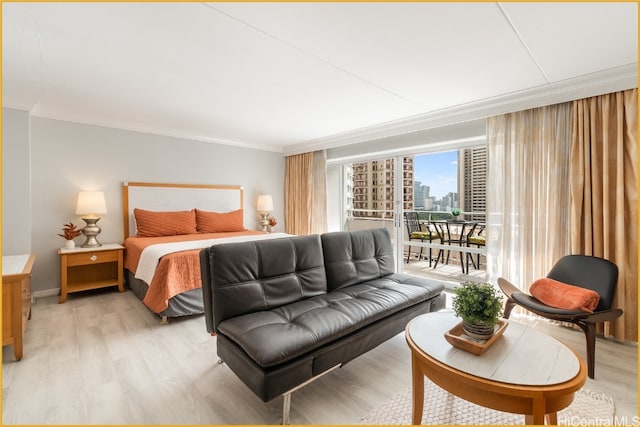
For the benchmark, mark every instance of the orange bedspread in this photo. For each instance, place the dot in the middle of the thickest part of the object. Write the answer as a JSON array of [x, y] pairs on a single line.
[[176, 272]]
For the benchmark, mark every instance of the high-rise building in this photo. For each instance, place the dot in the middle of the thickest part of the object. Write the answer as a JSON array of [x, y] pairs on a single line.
[[474, 182], [348, 188], [373, 187], [450, 200], [420, 195]]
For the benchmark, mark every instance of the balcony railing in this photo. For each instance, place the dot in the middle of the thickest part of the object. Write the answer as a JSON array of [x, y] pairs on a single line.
[[362, 219]]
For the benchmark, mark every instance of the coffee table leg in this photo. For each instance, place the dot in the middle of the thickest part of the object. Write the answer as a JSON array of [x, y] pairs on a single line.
[[418, 391], [552, 419], [537, 418]]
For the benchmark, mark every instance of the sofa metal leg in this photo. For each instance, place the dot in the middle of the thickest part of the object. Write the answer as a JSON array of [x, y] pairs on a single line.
[[286, 402], [286, 408]]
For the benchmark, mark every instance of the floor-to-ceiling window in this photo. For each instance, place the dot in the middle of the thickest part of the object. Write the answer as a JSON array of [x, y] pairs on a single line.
[[432, 184], [449, 204]]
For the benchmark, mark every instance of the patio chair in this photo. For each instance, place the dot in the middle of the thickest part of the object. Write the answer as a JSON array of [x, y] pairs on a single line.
[[476, 237], [589, 272], [418, 231]]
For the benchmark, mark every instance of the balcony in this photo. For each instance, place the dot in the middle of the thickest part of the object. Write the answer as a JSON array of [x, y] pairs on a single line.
[[451, 273]]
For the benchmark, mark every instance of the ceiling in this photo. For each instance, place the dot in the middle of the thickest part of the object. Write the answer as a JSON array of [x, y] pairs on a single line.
[[285, 76]]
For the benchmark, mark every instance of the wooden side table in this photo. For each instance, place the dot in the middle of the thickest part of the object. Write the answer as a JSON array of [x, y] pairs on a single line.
[[16, 299], [82, 269], [524, 372]]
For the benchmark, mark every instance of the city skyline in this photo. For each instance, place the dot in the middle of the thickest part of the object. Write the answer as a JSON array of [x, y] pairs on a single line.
[[430, 182], [439, 171]]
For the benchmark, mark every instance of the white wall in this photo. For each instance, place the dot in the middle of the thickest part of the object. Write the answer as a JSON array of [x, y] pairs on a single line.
[[68, 157], [16, 183]]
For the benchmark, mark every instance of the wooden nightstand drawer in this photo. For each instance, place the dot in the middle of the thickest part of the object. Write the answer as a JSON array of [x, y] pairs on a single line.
[[86, 258]]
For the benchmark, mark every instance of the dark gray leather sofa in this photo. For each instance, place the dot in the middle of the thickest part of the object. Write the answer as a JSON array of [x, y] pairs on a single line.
[[288, 310]]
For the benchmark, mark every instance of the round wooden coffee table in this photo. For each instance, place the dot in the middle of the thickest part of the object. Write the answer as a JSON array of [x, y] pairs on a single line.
[[524, 372]]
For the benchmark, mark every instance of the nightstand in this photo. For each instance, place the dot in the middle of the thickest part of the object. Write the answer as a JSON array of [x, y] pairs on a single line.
[[82, 269]]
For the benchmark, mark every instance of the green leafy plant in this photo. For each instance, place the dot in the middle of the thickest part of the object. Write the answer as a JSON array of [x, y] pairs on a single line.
[[70, 231], [477, 303], [456, 211]]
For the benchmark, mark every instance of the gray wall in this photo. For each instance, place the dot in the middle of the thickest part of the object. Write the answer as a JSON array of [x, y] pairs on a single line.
[[16, 183], [68, 157]]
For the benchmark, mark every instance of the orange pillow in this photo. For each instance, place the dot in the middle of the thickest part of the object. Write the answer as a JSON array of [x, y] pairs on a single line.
[[219, 222], [562, 295], [157, 224]]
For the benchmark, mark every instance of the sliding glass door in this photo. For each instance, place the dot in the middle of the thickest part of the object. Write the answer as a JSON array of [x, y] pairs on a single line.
[[428, 188], [375, 194], [444, 231]]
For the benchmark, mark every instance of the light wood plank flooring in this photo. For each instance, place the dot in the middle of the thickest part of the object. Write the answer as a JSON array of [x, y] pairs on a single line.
[[103, 358]]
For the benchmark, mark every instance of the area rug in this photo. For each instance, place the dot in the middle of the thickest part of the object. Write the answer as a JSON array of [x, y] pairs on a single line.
[[441, 407]]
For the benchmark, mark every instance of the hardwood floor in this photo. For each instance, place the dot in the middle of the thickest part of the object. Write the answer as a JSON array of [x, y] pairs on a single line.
[[103, 358]]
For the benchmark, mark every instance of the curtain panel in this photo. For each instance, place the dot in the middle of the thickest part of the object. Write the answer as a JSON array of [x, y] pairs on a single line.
[[604, 192], [528, 196], [305, 193]]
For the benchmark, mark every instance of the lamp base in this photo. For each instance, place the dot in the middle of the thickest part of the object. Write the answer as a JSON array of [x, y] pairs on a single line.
[[264, 221], [91, 231]]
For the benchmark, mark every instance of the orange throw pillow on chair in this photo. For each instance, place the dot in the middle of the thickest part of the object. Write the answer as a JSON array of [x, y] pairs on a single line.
[[562, 295]]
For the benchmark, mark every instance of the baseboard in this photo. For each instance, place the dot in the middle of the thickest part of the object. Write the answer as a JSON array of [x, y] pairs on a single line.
[[45, 293]]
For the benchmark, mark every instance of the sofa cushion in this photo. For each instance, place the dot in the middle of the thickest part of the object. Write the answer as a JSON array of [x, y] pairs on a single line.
[[357, 256], [282, 334], [247, 277]]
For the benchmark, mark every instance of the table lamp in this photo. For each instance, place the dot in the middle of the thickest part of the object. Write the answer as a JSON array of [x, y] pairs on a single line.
[[90, 204], [265, 205]]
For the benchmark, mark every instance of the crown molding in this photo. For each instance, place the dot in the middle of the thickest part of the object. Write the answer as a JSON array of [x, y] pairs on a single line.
[[607, 81], [170, 133]]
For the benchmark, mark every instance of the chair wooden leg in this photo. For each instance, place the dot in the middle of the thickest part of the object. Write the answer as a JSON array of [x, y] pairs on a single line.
[[429, 256], [589, 329], [508, 306], [408, 254]]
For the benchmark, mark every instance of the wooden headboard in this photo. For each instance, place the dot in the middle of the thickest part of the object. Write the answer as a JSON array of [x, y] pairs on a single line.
[[177, 197]]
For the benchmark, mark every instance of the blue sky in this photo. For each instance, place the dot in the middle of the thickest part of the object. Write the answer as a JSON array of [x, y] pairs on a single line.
[[439, 171]]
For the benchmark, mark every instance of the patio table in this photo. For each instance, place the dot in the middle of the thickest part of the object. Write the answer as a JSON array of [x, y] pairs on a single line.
[[445, 230]]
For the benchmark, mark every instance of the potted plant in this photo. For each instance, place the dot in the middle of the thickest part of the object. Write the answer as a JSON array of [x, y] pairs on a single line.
[[479, 305], [70, 232], [456, 213]]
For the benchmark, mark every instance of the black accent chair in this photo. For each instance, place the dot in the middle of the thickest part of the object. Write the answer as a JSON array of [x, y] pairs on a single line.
[[588, 272], [419, 231]]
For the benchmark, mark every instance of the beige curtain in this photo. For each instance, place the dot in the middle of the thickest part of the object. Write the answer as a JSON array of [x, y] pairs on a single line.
[[604, 209], [305, 193], [527, 195]]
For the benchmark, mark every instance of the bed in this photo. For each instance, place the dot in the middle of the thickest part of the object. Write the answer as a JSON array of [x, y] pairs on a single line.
[[165, 227]]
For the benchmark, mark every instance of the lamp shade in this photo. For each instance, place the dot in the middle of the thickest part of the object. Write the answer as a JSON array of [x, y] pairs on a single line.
[[265, 203], [91, 203]]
